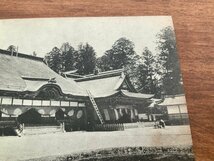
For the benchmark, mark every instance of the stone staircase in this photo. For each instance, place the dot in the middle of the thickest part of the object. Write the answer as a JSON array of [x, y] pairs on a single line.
[[36, 130]]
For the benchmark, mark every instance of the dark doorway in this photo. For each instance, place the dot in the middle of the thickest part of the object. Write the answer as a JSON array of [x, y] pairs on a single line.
[[30, 117], [60, 115]]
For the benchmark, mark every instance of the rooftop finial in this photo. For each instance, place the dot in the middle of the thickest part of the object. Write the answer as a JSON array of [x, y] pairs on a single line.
[[12, 49], [17, 48]]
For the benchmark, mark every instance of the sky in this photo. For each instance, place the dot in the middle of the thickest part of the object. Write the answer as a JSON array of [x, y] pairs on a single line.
[[42, 34]]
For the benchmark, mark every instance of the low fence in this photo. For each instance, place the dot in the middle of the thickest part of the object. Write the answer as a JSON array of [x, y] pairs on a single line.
[[177, 121], [108, 127], [122, 126]]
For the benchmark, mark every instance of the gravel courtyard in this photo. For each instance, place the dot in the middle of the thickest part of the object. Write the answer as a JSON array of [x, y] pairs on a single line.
[[36, 146]]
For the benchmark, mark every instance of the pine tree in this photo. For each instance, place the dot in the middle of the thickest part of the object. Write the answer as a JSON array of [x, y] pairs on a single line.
[[69, 57], [146, 73], [168, 58], [86, 61], [53, 60]]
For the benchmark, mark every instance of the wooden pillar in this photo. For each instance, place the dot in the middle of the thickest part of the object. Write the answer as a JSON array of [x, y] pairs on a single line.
[[180, 114]]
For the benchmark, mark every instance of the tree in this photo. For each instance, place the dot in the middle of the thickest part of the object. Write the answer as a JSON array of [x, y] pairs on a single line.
[[120, 55], [104, 63], [63, 59], [69, 57], [53, 60], [146, 73], [168, 58], [86, 61]]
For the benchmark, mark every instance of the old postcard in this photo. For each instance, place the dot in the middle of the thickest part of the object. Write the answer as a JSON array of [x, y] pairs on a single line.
[[92, 88]]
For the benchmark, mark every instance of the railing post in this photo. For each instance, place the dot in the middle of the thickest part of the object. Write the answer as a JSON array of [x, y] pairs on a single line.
[[2, 132], [1, 101], [63, 126], [23, 127], [12, 101]]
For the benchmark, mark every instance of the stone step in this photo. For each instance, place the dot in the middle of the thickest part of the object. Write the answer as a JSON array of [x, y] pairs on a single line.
[[42, 130]]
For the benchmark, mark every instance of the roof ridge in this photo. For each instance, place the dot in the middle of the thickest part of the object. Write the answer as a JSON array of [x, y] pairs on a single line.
[[21, 55], [97, 77], [110, 73]]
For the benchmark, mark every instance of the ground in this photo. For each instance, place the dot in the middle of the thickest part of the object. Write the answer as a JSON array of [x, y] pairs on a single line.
[[36, 146]]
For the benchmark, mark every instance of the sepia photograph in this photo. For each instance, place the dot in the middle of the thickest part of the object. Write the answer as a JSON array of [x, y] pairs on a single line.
[[92, 89]]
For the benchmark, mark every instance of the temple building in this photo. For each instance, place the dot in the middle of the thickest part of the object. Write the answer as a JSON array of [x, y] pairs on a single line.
[[176, 109], [34, 95], [117, 99]]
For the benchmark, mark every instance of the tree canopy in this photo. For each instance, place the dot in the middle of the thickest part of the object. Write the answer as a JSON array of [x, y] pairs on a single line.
[[168, 59], [53, 59], [67, 58], [154, 73], [146, 73], [121, 55], [86, 61]]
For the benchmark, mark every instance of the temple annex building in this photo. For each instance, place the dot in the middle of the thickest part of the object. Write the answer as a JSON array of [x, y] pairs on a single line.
[[32, 95]]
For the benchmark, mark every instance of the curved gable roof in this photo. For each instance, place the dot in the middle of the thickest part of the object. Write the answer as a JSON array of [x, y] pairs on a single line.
[[102, 86], [109, 83], [15, 69]]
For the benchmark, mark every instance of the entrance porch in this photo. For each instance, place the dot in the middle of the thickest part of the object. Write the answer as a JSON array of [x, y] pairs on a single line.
[[37, 113]]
